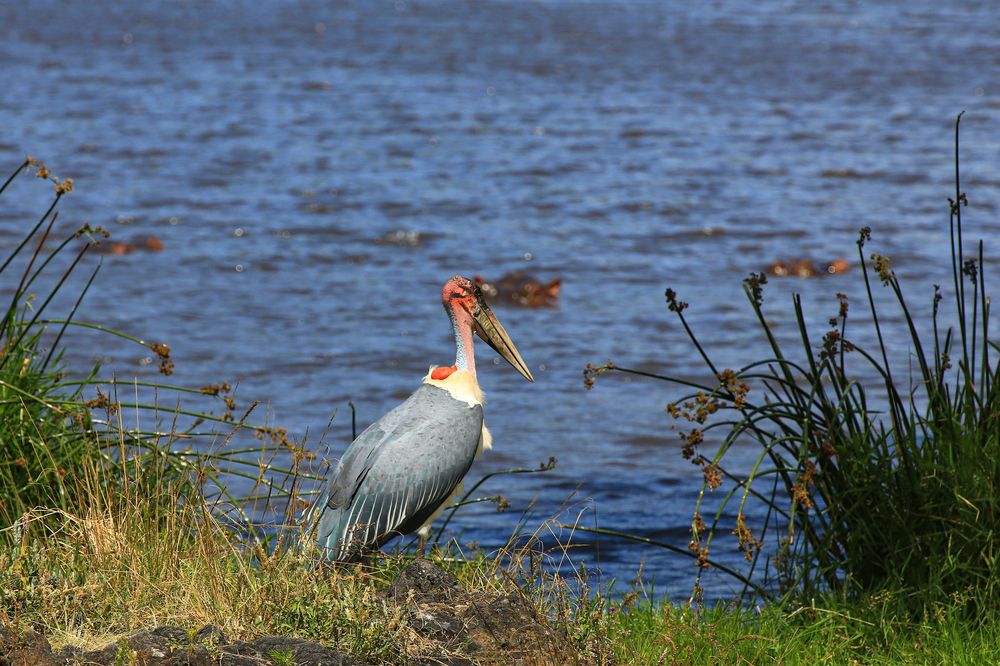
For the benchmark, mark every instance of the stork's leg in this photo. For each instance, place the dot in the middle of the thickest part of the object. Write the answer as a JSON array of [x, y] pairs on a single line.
[[424, 533]]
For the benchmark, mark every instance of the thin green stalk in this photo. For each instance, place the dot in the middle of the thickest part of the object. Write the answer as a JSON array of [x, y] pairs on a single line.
[[27, 238], [545, 467], [10, 179], [666, 546]]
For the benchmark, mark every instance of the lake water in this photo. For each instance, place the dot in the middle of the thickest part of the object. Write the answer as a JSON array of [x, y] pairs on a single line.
[[622, 146]]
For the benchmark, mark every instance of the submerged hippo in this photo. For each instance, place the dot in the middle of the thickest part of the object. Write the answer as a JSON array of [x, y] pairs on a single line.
[[147, 244], [522, 289], [806, 268]]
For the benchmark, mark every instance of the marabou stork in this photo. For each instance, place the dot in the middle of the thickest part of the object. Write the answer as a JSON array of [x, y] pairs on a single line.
[[404, 469]]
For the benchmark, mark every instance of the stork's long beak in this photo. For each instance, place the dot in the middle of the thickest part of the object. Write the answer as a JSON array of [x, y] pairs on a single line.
[[485, 323]]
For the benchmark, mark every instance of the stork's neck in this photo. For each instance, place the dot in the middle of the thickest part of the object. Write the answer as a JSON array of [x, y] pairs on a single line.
[[461, 324]]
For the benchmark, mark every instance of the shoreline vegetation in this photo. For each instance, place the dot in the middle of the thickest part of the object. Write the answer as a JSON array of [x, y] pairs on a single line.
[[123, 544]]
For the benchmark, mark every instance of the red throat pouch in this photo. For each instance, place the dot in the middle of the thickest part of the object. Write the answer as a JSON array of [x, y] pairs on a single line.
[[443, 373]]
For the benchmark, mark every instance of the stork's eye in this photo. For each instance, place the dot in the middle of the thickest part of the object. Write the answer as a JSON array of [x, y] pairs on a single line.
[[463, 291]]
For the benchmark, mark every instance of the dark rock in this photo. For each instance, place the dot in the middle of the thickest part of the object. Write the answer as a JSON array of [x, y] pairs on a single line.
[[145, 647], [163, 646], [423, 582], [69, 655], [474, 627], [427, 591], [211, 635], [173, 634], [262, 650], [510, 630], [170, 646], [191, 655], [24, 649]]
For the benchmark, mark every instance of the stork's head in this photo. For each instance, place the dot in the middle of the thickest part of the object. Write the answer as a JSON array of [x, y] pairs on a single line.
[[461, 297]]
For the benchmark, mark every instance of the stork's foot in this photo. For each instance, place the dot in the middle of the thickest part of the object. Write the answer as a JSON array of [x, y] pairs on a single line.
[[367, 559]]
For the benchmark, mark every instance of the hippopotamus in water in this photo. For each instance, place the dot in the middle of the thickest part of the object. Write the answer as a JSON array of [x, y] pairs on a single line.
[[148, 244], [805, 268], [521, 289]]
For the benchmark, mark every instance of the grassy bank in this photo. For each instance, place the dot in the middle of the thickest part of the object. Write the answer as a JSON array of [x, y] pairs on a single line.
[[151, 549], [102, 524], [861, 632], [84, 578]]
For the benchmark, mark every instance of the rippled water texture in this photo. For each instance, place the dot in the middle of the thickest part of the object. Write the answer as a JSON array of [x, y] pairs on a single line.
[[316, 172]]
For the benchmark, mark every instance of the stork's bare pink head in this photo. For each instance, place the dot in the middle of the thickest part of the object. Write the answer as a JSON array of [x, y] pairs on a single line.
[[469, 312]]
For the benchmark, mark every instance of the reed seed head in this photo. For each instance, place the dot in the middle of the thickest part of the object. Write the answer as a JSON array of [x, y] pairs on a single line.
[[883, 268], [864, 235], [673, 304], [754, 284]]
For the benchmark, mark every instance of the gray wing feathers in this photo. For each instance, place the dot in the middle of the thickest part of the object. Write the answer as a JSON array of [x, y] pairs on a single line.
[[398, 471]]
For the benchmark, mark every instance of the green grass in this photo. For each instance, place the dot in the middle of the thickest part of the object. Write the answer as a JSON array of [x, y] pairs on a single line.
[[42, 422], [831, 633], [154, 552]]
